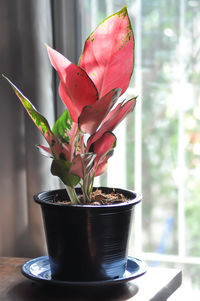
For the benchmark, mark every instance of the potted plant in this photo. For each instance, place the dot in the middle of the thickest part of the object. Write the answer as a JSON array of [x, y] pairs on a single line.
[[86, 228]]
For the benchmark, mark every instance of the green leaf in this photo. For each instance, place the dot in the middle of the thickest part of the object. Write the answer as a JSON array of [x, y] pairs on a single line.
[[62, 127], [41, 123], [66, 132], [39, 120], [60, 168]]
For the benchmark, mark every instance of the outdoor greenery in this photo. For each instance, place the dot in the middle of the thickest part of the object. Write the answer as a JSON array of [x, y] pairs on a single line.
[[170, 56]]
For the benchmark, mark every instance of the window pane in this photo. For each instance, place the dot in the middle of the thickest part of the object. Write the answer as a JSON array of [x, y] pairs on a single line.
[[160, 126], [192, 129], [166, 124]]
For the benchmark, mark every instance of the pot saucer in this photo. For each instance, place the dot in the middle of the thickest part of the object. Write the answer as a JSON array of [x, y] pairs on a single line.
[[38, 269]]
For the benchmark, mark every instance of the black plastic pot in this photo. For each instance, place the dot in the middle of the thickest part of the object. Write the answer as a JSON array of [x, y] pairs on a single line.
[[86, 242]]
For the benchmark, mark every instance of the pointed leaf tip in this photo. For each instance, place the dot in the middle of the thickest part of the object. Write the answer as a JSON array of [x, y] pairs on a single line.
[[76, 87], [39, 120], [45, 151], [111, 68]]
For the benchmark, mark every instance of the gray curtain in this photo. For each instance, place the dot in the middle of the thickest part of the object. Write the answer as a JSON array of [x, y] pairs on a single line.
[[25, 27]]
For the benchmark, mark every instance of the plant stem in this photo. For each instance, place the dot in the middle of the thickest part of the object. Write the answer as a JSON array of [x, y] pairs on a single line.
[[85, 188], [72, 195]]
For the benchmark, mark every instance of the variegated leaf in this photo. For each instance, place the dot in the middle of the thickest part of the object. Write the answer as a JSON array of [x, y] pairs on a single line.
[[108, 53], [41, 123], [61, 168]]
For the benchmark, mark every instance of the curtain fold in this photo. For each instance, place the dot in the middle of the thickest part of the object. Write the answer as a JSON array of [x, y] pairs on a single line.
[[36, 29], [24, 28], [66, 17]]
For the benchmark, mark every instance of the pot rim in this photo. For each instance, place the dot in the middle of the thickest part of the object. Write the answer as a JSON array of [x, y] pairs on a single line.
[[135, 199]]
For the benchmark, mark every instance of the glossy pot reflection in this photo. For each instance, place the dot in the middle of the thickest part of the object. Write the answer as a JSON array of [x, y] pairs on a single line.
[[86, 242]]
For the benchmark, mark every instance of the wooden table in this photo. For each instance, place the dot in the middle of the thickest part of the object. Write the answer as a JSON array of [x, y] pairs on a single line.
[[156, 285]]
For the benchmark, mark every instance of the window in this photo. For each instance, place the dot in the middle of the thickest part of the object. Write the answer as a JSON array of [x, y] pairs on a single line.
[[158, 151]]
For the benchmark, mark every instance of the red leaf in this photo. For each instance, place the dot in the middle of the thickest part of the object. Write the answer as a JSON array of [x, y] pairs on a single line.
[[45, 151], [92, 116], [103, 148], [113, 119], [82, 164], [61, 151], [101, 168], [108, 53], [76, 88], [104, 144]]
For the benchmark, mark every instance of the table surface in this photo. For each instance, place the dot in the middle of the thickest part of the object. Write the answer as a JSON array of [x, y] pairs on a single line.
[[156, 285]]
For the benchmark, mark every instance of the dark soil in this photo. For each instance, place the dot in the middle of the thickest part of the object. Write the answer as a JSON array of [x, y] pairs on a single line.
[[100, 198]]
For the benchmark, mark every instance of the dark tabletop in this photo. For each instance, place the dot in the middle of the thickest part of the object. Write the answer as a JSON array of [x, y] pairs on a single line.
[[156, 285]]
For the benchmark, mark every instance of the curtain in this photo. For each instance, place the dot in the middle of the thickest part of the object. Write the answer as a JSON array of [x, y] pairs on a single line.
[[25, 27]]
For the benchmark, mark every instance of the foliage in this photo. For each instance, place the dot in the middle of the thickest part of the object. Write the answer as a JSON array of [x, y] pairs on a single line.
[[89, 91]]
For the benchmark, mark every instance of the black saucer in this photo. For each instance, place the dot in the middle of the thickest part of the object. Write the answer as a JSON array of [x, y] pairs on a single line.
[[38, 269]]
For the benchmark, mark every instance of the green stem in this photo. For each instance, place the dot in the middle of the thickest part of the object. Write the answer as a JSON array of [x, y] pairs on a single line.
[[85, 189], [72, 195]]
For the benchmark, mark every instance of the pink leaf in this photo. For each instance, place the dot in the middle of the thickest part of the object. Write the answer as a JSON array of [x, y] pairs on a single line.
[[82, 164], [45, 151], [76, 88], [103, 148], [108, 53], [101, 168], [103, 145], [80, 147], [92, 116], [112, 120], [76, 167]]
